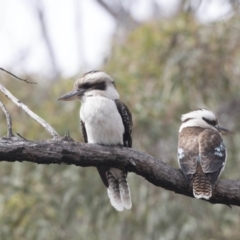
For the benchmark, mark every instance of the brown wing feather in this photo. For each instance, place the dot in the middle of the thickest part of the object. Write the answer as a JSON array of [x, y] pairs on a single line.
[[212, 153], [127, 122], [188, 165], [102, 170], [188, 153], [84, 133]]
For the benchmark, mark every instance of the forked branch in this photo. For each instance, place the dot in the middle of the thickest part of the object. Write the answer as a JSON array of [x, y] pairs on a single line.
[[33, 115]]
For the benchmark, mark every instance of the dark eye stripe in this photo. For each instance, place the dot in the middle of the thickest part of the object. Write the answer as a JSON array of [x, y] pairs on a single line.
[[97, 86], [100, 86], [210, 122]]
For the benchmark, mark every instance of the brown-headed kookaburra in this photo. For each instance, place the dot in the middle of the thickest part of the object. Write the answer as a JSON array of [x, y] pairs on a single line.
[[105, 120], [201, 152]]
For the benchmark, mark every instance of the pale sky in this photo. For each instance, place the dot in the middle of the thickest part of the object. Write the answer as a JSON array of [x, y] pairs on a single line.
[[23, 51]]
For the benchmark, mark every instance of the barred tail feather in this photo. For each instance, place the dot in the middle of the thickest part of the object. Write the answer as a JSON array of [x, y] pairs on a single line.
[[202, 187], [125, 192], [114, 192], [122, 195]]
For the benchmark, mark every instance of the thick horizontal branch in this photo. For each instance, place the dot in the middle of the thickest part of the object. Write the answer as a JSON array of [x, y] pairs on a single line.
[[86, 155]]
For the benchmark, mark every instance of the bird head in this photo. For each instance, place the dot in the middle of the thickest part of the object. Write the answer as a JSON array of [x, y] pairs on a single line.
[[94, 83], [202, 118]]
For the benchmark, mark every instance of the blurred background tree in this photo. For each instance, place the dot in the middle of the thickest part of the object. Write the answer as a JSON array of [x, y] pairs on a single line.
[[163, 68]]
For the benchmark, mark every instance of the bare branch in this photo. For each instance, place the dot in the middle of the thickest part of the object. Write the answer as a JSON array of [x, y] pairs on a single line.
[[86, 155], [41, 17], [22, 137], [9, 120], [120, 14], [108, 9], [24, 80], [47, 126]]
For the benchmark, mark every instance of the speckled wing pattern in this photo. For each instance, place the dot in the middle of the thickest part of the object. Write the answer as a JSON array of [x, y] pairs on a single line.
[[213, 153], [127, 122]]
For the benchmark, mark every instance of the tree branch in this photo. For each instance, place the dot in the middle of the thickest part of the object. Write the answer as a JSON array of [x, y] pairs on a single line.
[[41, 17], [86, 155], [8, 119], [24, 80], [42, 122], [120, 14]]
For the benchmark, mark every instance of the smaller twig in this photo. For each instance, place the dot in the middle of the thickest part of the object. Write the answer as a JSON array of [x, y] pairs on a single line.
[[24, 80], [67, 134], [9, 120], [47, 126], [67, 137], [22, 137]]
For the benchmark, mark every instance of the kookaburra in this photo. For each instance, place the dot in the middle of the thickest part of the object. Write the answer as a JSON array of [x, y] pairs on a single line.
[[105, 120], [201, 152]]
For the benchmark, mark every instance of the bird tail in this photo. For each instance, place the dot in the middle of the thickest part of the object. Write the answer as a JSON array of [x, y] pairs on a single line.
[[114, 192], [118, 190], [202, 187], [125, 191]]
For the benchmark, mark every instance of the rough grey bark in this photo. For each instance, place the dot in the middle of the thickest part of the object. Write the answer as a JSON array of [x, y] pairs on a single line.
[[63, 151]]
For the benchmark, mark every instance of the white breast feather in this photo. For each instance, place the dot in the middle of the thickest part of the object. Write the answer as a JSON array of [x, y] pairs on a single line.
[[102, 120]]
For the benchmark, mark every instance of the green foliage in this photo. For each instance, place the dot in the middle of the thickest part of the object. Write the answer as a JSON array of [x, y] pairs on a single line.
[[162, 70]]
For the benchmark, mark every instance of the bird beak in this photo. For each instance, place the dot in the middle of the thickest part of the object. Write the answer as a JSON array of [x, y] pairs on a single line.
[[224, 131], [75, 94]]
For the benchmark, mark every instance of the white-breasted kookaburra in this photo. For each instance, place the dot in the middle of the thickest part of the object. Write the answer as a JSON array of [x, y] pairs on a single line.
[[201, 152], [105, 120]]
